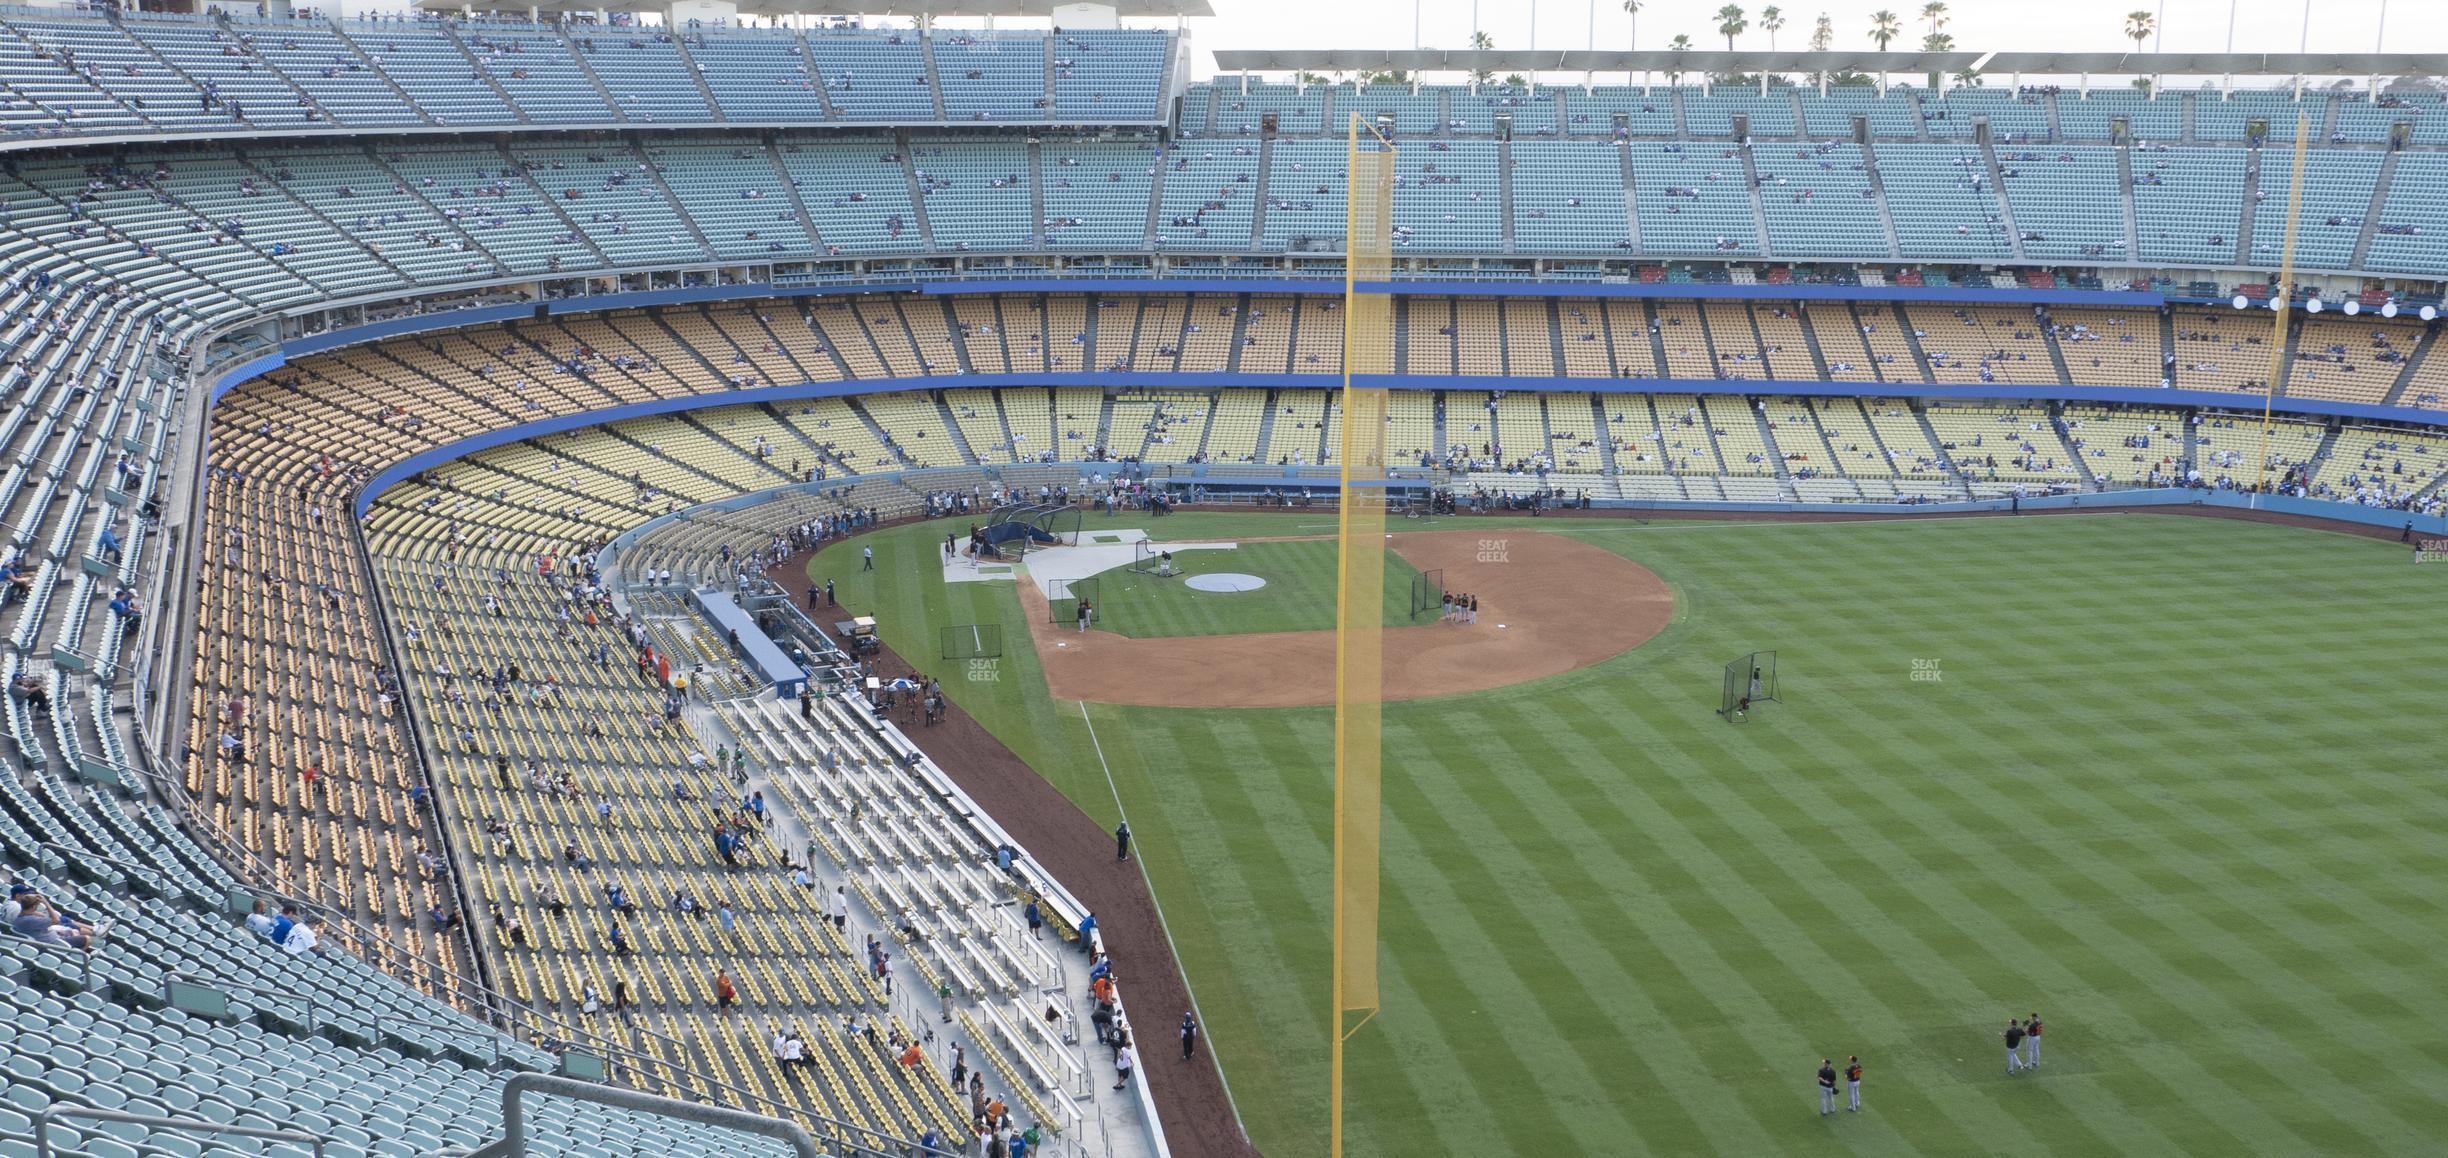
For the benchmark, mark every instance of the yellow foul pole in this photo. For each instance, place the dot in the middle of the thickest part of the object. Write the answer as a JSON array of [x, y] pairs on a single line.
[[2284, 292], [1368, 351]]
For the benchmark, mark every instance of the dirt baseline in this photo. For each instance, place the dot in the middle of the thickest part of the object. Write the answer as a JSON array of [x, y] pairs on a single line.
[[1561, 603]]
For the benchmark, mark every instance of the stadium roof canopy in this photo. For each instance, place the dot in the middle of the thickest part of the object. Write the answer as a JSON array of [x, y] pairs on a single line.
[[2033, 63], [905, 9]]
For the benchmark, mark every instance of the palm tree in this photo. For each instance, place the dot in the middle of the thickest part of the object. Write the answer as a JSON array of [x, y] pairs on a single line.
[[1885, 27], [1680, 43], [1483, 42], [1936, 13], [1730, 24], [1632, 9], [1937, 42], [1823, 34], [2138, 25], [1771, 19]]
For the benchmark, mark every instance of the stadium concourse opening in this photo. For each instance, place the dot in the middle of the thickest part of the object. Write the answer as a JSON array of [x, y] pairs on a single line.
[[1549, 605]]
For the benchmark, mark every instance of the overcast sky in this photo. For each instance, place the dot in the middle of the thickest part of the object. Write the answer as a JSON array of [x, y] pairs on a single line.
[[1976, 25]]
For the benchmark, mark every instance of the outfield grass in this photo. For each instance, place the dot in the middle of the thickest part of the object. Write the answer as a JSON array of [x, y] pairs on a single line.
[[2176, 787], [1299, 594]]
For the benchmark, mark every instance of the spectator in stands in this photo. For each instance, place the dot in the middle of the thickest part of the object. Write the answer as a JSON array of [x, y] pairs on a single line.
[[1036, 918], [302, 938], [37, 920], [1123, 1061], [259, 922], [123, 606], [1087, 929], [511, 930]]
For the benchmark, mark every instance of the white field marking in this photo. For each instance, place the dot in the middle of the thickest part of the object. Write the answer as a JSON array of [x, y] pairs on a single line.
[[1164, 925]]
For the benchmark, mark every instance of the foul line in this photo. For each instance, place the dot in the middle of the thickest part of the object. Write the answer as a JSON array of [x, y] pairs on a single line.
[[1166, 927]]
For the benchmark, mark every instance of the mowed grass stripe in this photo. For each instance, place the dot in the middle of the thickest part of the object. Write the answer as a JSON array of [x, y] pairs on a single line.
[[1543, 871], [2142, 951], [1861, 997], [1982, 946], [2005, 910], [2182, 863], [1577, 992]]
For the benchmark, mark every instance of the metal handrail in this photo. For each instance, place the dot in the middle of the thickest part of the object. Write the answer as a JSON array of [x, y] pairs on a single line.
[[314, 1014], [841, 1136], [471, 1027], [78, 854], [42, 1127], [513, 1143]]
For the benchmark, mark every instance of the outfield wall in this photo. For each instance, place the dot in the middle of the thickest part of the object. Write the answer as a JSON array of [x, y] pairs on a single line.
[[2098, 500], [1327, 489]]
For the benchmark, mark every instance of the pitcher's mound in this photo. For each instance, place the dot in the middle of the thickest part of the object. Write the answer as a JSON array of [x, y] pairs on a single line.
[[1547, 605], [1226, 582]]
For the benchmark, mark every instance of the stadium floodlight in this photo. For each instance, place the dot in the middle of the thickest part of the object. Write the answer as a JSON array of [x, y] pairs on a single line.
[[2429, 313], [2278, 303], [2353, 307], [2388, 309], [2242, 302], [2313, 306]]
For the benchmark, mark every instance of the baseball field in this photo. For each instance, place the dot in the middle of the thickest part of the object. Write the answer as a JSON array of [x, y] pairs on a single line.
[[2172, 783]]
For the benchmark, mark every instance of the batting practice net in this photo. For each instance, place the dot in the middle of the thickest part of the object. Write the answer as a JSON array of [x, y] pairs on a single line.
[[1749, 682], [1063, 598], [972, 640], [1428, 592]]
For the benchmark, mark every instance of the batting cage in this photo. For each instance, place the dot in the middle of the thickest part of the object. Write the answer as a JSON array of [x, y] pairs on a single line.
[[1749, 682], [1428, 592], [1149, 557], [1063, 597], [973, 641]]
